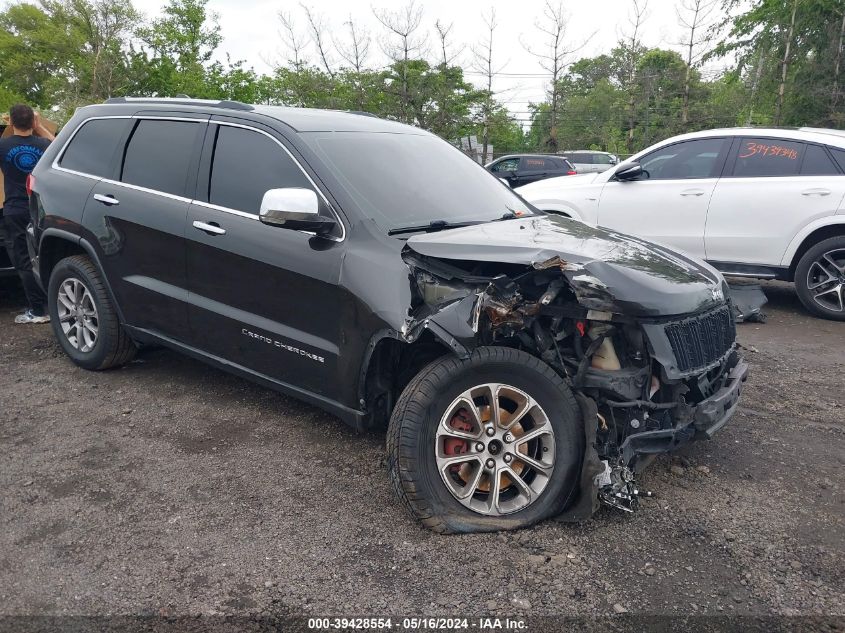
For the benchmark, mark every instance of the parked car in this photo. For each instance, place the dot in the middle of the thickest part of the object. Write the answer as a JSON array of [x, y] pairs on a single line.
[[765, 203], [523, 169], [589, 161], [526, 365]]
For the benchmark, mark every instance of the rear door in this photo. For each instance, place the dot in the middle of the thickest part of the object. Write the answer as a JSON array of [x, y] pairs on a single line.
[[772, 188], [534, 168], [262, 297], [138, 222], [669, 204]]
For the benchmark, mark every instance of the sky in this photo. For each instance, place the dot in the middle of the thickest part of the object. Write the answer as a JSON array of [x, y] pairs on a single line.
[[251, 32]]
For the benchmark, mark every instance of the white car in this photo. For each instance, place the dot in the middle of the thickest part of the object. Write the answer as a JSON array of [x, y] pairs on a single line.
[[588, 161], [764, 203]]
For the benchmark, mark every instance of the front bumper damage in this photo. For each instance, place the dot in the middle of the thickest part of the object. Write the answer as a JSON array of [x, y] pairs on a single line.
[[693, 422], [617, 487], [646, 384]]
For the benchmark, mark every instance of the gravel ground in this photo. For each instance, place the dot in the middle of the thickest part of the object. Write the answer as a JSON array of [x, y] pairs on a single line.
[[169, 488]]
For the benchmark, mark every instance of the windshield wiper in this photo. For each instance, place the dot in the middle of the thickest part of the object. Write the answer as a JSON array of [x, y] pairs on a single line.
[[434, 225]]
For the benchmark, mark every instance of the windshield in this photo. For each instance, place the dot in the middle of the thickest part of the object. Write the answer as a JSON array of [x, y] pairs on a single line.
[[405, 180]]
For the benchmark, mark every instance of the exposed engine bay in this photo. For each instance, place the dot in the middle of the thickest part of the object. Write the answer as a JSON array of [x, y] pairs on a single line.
[[645, 384]]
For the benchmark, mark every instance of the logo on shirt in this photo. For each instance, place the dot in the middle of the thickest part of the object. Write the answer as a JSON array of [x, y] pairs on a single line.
[[24, 157]]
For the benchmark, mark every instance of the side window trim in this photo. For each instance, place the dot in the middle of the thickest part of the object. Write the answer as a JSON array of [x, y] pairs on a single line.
[[204, 178], [56, 164]]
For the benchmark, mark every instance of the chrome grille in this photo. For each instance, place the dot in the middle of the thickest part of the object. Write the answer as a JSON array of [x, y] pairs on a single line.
[[700, 341]]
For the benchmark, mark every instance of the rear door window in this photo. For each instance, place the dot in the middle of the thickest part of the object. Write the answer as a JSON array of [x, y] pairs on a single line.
[[536, 163], [818, 163], [246, 165], [767, 158], [580, 159], [92, 149], [159, 154]]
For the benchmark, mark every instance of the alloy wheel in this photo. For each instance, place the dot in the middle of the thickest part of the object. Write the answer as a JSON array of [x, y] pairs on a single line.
[[826, 280], [78, 314], [495, 449]]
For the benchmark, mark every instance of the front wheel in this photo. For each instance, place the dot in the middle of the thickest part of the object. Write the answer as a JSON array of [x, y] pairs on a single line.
[[492, 442], [83, 318], [820, 279]]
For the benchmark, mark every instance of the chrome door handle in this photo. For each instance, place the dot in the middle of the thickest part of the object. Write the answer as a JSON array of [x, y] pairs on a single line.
[[816, 192], [209, 228], [693, 192], [109, 200]]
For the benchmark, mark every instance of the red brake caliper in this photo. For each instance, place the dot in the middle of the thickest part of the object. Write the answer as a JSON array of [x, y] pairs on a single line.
[[461, 421]]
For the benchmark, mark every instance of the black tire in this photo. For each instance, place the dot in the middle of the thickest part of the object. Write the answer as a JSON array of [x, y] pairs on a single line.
[[112, 347], [411, 438], [802, 272]]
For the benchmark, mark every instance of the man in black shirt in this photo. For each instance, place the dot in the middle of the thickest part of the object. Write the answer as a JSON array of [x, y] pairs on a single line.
[[19, 154]]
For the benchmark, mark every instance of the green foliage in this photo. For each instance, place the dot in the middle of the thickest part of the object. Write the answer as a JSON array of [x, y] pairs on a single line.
[[61, 54]]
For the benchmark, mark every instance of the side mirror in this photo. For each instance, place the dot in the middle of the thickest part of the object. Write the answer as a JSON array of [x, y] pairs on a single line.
[[294, 208], [631, 171], [614, 160]]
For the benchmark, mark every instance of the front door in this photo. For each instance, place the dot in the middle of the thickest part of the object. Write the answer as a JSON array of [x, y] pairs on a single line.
[[669, 203], [507, 170], [261, 297]]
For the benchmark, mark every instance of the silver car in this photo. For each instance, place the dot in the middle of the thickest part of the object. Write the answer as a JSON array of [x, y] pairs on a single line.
[[587, 161]]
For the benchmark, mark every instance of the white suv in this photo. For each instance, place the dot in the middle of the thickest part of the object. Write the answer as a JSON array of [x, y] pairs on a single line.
[[764, 203]]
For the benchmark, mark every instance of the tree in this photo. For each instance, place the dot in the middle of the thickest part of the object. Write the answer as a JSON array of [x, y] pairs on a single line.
[[552, 56], [443, 33], [784, 64], [318, 38], [404, 40], [787, 51], [483, 63], [355, 53], [182, 44], [632, 49], [695, 16], [38, 53], [293, 39]]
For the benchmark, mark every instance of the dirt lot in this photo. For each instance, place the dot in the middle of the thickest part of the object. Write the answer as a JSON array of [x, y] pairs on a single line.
[[168, 487]]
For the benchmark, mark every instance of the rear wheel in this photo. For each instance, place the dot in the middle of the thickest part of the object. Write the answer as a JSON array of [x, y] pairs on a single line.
[[488, 443], [820, 279], [83, 317]]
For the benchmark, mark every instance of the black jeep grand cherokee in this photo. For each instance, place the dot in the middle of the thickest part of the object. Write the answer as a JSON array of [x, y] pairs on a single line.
[[527, 365]]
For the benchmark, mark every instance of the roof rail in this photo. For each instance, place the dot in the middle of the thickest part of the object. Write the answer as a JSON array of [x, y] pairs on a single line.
[[362, 113], [224, 103]]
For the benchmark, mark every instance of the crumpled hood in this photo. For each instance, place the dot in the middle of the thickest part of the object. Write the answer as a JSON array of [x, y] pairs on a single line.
[[608, 270]]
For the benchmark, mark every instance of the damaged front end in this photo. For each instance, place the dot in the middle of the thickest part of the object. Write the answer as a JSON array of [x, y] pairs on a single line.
[[646, 383]]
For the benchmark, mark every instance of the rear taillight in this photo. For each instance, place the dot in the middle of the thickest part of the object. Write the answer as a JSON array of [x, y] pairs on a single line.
[[571, 172], [30, 183]]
